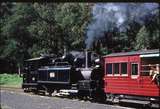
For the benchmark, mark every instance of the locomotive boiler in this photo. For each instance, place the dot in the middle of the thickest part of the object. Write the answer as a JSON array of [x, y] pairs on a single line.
[[91, 84]]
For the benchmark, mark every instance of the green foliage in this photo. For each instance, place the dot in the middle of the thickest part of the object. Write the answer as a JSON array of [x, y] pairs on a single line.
[[10, 48], [17, 37], [148, 35], [30, 29], [10, 80], [2, 106], [142, 39], [103, 51], [73, 19]]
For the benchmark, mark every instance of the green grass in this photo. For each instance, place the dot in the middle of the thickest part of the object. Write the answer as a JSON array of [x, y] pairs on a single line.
[[10, 80], [4, 107]]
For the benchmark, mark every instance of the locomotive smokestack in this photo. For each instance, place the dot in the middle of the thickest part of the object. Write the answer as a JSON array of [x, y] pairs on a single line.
[[86, 60]]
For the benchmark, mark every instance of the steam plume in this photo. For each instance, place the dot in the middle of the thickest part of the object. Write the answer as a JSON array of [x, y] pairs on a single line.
[[107, 16]]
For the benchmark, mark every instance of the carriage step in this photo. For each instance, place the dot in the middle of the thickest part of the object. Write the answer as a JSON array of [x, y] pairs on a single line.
[[135, 101]]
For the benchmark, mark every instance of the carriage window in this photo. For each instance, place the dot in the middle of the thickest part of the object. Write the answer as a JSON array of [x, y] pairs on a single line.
[[124, 68], [145, 69], [108, 68], [116, 68], [134, 69]]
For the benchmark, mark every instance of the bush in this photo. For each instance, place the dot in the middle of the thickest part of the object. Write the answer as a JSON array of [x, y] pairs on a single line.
[[10, 80]]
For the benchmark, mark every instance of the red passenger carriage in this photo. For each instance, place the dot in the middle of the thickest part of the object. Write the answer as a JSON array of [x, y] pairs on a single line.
[[128, 75]]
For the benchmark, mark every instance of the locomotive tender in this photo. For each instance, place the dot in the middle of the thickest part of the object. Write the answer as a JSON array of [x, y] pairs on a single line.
[[124, 76]]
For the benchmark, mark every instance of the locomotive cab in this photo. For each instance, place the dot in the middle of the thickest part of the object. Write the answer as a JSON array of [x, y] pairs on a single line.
[[30, 73]]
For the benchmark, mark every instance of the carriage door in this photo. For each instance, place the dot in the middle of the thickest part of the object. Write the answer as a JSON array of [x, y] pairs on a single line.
[[134, 70]]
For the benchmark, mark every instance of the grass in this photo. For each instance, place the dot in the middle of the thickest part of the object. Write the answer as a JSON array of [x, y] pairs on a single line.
[[10, 80], [4, 107]]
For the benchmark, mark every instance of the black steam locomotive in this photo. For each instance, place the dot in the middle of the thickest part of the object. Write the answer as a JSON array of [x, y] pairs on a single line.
[[79, 71]]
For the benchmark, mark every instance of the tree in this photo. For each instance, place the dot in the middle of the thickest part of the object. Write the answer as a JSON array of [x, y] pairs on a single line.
[[17, 36], [142, 39], [46, 30], [5, 12], [73, 19], [148, 35]]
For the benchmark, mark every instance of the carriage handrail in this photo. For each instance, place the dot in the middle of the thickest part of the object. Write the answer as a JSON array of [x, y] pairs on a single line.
[[149, 65], [146, 69]]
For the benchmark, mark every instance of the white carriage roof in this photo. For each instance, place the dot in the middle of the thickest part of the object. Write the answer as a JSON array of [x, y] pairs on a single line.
[[150, 55], [142, 53]]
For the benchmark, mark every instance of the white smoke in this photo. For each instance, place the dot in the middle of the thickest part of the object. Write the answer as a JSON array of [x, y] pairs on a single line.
[[107, 16]]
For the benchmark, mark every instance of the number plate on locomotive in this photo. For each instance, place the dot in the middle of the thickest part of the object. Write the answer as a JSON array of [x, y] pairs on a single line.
[[52, 75]]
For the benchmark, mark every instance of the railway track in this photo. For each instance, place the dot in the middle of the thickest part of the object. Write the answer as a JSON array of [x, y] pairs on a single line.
[[17, 89], [57, 95], [14, 100]]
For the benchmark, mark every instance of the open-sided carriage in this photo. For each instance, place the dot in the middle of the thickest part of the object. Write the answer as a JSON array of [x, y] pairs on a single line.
[[133, 75]]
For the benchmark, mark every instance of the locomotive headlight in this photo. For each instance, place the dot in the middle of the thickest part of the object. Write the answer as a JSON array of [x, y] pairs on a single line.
[[63, 56], [75, 59], [97, 60], [97, 66], [53, 61], [52, 74], [33, 78]]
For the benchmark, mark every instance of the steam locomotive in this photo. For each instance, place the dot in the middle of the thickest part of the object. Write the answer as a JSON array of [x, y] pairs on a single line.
[[124, 76], [77, 71]]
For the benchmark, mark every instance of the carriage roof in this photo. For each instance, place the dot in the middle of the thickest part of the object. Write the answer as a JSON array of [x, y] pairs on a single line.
[[143, 53]]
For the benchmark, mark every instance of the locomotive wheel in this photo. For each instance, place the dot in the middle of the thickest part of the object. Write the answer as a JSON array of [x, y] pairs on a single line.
[[26, 90], [50, 92], [35, 91], [80, 95], [99, 96], [43, 93]]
